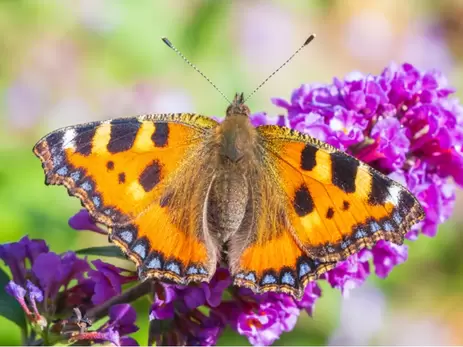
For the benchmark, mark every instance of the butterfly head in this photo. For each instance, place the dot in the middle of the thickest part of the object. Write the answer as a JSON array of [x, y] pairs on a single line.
[[237, 107], [236, 133]]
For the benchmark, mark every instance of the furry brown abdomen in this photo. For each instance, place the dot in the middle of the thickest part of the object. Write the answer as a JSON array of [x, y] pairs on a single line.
[[227, 204]]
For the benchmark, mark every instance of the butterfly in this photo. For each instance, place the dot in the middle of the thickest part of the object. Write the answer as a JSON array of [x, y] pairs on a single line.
[[181, 193]]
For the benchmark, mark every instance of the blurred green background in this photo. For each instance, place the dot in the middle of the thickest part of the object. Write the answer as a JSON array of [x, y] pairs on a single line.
[[71, 61]]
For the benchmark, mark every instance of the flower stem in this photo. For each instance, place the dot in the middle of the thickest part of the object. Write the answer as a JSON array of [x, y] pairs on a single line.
[[98, 312]]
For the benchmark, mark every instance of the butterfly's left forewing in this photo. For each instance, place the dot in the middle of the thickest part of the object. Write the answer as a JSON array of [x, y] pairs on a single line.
[[336, 204], [136, 176]]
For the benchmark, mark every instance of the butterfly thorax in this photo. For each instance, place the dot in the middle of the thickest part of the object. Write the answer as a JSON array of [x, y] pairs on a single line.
[[236, 135]]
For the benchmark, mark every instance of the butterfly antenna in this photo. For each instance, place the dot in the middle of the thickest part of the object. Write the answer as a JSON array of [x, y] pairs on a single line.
[[307, 41], [168, 43]]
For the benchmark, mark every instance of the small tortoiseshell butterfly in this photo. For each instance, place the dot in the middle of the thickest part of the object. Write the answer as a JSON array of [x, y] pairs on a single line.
[[180, 193]]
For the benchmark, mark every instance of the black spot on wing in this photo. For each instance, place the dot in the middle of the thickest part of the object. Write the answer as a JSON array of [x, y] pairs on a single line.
[[150, 176], [330, 213], [110, 165], [308, 157], [345, 205], [55, 139], [344, 171], [303, 202], [84, 138], [123, 134], [161, 134], [165, 199], [406, 203], [379, 189], [121, 178]]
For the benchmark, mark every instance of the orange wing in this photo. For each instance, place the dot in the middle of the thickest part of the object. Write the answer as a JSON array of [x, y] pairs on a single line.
[[132, 174], [276, 263], [336, 204]]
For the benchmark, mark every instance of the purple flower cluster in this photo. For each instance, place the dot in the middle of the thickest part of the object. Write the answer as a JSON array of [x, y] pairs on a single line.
[[180, 306], [401, 122], [261, 318], [48, 285]]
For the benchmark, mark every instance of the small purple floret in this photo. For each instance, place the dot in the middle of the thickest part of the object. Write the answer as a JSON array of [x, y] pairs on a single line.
[[83, 221], [386, 256]]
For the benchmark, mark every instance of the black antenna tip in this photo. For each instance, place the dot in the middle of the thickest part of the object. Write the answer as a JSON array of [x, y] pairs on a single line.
[[167, 42], [309, 39]]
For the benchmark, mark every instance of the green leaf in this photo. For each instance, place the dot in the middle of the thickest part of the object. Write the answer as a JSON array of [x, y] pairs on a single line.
[[104, 251], [9, 307]]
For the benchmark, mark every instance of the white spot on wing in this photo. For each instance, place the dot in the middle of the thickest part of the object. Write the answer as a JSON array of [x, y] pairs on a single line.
[[68, 138], [394, 193]]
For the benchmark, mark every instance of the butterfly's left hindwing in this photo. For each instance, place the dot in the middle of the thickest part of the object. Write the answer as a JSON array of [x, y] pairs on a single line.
[[133, 175], [335, 203], [273, 262], [263, 254]]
